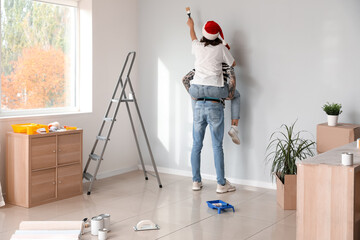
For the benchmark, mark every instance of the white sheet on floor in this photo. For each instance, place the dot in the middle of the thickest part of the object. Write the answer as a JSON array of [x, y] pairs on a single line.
[[51, 225], [67, 230]]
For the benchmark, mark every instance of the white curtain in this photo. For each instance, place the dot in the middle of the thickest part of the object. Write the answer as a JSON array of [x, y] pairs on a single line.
[[2, 203]]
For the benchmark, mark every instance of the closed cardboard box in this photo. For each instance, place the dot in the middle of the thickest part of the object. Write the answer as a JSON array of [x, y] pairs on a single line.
[[328, 138]]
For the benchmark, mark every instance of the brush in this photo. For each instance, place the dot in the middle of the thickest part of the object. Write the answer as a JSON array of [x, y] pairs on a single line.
[[188, 11]]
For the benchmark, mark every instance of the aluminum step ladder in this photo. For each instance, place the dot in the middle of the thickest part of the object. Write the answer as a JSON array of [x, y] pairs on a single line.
[[109, 120]]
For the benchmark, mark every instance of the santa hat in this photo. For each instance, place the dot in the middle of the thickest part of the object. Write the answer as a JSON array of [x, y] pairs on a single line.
[[212, 30]]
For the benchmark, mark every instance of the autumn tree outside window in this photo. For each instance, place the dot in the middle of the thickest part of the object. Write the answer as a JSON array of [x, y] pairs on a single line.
[[38, 55]]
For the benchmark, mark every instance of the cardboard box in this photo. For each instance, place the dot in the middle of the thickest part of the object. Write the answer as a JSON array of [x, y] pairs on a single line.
[[328, 138], [286, 193]]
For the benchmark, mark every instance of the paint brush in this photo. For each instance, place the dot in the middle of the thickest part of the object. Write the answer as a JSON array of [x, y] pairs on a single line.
[[188, 11]]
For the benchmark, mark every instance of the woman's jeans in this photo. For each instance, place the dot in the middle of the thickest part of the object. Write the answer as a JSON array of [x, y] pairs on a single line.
[[202, 91], [212, 114]]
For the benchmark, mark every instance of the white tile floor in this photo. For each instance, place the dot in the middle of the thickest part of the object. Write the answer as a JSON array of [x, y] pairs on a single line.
[[180, 212]]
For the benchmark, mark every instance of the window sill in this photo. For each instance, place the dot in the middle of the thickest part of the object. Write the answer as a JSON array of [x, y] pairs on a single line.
[[42, 115]]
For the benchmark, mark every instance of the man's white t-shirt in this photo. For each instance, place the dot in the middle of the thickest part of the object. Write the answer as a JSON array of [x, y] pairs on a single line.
[[208, 63]]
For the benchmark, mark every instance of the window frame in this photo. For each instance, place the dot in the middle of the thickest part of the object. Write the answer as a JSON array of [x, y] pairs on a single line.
[[77, 97]]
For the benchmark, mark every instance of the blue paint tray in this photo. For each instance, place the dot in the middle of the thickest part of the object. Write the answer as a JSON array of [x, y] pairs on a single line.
[[219, 205]]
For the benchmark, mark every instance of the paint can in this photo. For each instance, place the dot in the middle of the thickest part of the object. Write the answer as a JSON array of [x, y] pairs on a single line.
[[106, 218], [102, 234], [96, 224], [347, 159]]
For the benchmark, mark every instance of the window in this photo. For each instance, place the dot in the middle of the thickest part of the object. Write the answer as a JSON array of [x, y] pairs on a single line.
[[38, 56]]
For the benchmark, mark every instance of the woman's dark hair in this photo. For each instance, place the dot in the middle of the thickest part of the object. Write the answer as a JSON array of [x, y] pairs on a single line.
[[215, 42]]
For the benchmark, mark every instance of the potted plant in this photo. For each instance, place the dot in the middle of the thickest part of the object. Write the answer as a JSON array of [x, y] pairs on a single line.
[[284, 149], [333, 111]]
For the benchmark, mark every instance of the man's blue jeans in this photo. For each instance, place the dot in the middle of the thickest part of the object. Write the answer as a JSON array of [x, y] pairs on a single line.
[[212, 114]]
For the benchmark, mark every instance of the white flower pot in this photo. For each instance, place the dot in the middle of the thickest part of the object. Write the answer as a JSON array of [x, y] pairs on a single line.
[[332, 120]]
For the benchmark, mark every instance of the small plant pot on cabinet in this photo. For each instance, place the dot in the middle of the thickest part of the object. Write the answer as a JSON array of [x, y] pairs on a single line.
[[332, 120], [286, 192]]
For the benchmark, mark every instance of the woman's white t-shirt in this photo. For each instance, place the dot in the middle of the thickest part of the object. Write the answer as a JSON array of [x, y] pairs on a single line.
[[208, 63]]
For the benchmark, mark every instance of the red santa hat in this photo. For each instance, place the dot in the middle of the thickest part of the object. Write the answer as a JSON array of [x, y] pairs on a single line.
[[212, 30]]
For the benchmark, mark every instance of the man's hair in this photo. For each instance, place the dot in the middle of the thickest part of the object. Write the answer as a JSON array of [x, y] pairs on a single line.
[[214, 42]]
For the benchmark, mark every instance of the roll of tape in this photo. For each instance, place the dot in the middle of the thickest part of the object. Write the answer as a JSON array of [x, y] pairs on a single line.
[[347, 159]]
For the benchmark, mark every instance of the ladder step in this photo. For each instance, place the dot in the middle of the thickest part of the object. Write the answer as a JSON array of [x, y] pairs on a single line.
[[102, 138], [88, 176], [127, 100], [108, 119], [115, 100], [94, 157]]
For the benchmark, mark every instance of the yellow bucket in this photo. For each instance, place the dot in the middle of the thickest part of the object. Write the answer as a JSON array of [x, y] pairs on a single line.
[[28, 128]]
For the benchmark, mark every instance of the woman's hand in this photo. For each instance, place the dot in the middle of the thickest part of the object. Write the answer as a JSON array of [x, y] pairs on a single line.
[[190, 22]]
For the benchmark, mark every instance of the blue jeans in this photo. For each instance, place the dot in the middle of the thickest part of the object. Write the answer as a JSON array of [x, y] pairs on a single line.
[[212, 114], [201, 91]]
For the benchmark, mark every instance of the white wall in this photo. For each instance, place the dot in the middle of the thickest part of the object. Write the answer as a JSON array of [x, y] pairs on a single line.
[[114, 35], [292, 57]]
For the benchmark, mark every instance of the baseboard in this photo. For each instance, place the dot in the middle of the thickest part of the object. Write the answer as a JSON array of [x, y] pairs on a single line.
[[252, 183], [107, 174]]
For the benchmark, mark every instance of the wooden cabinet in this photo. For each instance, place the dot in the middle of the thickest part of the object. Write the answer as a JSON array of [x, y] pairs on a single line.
[[328, 196], [43, 168]]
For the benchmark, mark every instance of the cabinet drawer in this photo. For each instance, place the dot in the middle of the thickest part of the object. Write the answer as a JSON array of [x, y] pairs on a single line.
[[69, 180], [69, 148], [43, 152], [43, 185]]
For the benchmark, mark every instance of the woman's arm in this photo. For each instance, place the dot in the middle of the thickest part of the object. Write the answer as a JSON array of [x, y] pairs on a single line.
[[190, 23]]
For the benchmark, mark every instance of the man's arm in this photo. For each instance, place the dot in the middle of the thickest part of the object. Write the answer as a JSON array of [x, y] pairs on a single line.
[[190, 23], [230, 74], [186, 80]]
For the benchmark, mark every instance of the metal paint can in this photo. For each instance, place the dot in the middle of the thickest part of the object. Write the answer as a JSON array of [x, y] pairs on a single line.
[[106, 218], [347, 159], [102, 235], [97, 223]]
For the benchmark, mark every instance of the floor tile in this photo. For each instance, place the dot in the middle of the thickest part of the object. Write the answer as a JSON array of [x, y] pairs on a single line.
[[180, 212]]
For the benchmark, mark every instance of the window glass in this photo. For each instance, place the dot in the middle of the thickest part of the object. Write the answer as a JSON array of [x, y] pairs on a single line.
[[38, 55]]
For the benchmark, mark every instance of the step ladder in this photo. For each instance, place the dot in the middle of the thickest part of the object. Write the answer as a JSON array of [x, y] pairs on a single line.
[[109, 120]]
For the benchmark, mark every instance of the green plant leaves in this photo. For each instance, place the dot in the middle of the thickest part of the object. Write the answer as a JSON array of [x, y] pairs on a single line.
[[332, 108], [285, 148]]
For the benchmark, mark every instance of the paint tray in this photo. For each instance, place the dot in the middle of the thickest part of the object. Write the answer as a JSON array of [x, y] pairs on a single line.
[[28, 128], [219, 205]]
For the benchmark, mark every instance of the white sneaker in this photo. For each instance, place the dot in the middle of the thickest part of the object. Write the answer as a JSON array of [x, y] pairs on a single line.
[[226, 188], [196, 186], [233, 132]]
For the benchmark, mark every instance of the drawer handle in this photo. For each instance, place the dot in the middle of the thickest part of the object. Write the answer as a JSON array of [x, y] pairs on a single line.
[[59, 150], [59, 181], [54, 151], [53, 183]]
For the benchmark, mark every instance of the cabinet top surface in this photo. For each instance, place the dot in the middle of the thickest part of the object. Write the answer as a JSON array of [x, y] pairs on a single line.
[[45, 134], [333, 157], [340, 125]]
